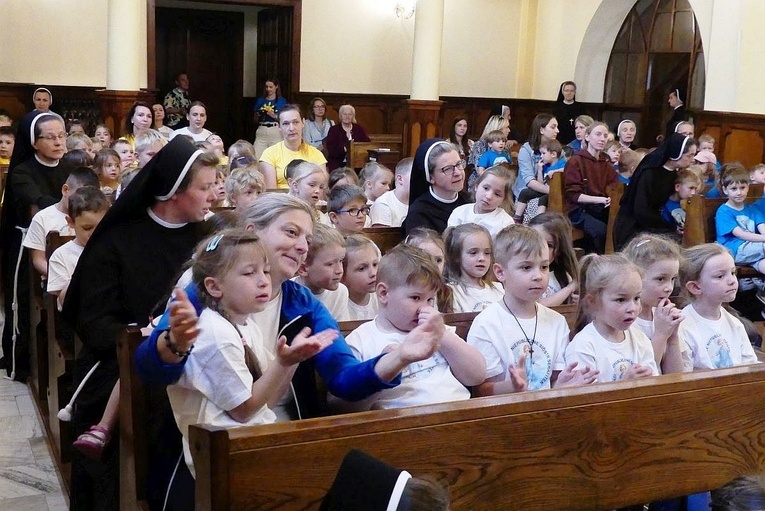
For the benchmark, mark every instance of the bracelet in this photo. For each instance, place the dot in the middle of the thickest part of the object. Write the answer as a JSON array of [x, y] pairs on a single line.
[[181, 354]]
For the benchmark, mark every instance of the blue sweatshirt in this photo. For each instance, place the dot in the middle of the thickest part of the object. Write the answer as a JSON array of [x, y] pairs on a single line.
[[344, 375]]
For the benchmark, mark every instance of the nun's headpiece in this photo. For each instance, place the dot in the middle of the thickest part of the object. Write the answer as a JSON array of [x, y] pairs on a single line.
[[419, 180], [38, 118], [680, 93], [43, 89], [677, 144], [364, 483]]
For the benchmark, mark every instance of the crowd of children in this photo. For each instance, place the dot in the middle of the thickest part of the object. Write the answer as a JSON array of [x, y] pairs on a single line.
[[476, 256]]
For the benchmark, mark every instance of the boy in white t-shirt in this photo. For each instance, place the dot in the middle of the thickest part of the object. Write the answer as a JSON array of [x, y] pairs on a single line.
[[408, 281], [322, 271], [523, 341], [390, 209], [87, 206], [53, 218]]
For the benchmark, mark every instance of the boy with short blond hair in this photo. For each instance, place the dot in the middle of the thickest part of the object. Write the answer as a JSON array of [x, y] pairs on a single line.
[[79, 141], [7, 141], [688, 183], [53, 218], [390, 209], [243, 186], [495, 153], [348, 210], [521, 340], [322, 271], [441, 365], [376, 179]]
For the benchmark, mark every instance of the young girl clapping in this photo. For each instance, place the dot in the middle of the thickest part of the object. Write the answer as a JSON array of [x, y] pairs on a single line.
[[230, 378], [712, 337], [469, 259], [608, 308]]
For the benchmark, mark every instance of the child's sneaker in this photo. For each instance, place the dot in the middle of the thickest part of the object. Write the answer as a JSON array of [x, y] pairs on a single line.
[[91, 443]]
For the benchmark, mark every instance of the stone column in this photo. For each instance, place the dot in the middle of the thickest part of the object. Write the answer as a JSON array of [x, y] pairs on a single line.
[[424, 107], [125, 62]]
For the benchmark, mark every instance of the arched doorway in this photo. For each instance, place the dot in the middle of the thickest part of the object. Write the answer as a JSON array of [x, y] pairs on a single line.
[[657, 48]]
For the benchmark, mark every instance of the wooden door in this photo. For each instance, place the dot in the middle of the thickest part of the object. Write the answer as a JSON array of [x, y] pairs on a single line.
[[209, 47], [275, 47]]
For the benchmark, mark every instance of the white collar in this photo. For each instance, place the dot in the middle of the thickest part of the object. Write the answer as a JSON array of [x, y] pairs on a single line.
[[163, 223], [46, 164], [445, 201]]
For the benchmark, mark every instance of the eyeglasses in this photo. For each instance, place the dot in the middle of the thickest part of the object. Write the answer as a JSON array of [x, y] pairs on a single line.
[[319, 106], [53, 138], [449, 170], [357, 212]]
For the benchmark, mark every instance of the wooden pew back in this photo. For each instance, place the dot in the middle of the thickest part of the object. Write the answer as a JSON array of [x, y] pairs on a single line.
[[134, 455], [359, 156], [384, 237], [556, 200], [463, 320], [600, 447], [60, 361], [614, 192]]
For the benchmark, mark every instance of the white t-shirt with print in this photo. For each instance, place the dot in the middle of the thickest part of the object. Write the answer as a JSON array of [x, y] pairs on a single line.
[[215, 378], [471, 299], [612, 359], [713, 344], [425, 382], [496, 334]]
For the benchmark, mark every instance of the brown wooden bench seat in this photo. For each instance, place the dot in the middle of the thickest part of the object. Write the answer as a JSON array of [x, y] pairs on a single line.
[[599, 447], [700, 222]]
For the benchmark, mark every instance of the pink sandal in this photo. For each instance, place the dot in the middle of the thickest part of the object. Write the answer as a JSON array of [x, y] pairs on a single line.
[[91, 443]]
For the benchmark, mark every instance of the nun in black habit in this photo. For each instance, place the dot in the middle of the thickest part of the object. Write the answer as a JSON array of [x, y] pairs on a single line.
[[124, 276], [35, 178], [649, 189], [435, 184]]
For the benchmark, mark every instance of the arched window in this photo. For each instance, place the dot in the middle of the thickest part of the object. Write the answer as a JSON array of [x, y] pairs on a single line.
[[658, 48]]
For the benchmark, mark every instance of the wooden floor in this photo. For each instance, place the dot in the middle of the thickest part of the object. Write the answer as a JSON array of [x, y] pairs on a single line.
[[29, 480]]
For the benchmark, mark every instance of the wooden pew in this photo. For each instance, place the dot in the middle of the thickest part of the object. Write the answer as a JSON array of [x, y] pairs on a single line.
[[556, 201], [359, 155], [61, 354], [614, 192], [384, 237], [463, 320], [700, 222], [598, 447], [38, 340], [134, 450]]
